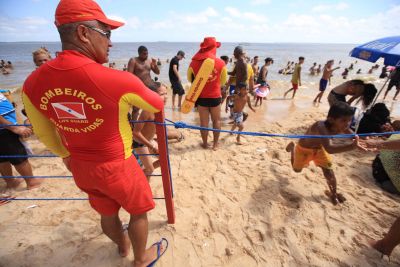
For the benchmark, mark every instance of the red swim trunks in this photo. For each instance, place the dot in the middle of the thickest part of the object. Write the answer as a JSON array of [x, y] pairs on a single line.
[[114, 184], [295, 86]]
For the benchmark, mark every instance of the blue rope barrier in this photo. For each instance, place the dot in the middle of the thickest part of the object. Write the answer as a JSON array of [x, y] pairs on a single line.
[[43, 176], [28, 156], [183, 125], [46, 199]]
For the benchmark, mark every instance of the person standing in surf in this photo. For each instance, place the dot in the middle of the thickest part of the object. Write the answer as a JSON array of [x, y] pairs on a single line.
[[326, 77]]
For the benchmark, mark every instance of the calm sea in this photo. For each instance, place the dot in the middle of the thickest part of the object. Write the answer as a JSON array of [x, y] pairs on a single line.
[[20, 54]]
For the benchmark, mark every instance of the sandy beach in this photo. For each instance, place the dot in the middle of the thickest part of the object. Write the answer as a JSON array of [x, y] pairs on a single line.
[[238, 206]]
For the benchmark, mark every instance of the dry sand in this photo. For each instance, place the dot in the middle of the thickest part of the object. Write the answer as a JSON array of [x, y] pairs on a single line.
[[238, 206]]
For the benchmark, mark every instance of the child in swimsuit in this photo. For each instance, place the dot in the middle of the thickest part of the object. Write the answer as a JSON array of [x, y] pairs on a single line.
[[318, 149], [239, 101]]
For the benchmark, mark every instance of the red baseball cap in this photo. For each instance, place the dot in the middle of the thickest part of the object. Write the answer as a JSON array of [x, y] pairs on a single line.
[[69, 11], [209, 42]]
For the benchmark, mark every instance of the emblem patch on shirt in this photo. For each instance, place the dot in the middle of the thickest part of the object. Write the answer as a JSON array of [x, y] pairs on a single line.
[[69, 110]]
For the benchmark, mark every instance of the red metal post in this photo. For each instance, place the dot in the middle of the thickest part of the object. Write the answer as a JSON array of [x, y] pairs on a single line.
[[165, 168]]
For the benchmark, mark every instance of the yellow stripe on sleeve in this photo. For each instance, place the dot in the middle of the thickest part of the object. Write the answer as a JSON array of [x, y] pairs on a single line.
[[44, 129]]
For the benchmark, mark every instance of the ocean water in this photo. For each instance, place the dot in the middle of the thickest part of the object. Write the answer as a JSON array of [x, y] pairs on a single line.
[[20, 54]]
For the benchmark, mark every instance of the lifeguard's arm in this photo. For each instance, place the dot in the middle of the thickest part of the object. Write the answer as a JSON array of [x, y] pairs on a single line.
[[44, 129], [175, 69], [131, 65], [137, 130], [190, 75], [223, 76]]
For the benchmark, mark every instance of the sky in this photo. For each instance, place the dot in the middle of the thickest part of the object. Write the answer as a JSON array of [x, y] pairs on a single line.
[[261, 21]]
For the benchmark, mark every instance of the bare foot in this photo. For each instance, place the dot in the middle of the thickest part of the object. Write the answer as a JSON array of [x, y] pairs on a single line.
[[126, 244], [13, 183], [33, 183], [290, 147], [377, 245], [215, 146], [341, 198], [205, 146], [151, 255], [334, 198]]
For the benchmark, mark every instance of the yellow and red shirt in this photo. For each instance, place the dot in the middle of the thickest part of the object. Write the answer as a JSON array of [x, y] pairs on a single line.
[[217, 78], [78, 107]]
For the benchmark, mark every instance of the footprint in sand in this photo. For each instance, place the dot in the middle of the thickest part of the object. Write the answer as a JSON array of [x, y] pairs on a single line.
[[294, 199], [255, 236]]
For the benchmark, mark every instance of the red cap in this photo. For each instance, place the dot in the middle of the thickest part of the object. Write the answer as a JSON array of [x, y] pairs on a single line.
[[69, 11], [209, 42]]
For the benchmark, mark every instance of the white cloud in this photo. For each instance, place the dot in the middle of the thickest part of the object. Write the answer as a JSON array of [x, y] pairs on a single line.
[[251, 16], [327, 7], [234, 12], [260, 2], [22, 24], [328, 28]]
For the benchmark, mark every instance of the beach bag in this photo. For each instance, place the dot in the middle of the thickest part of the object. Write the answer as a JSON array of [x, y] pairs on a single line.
[[378, 171]]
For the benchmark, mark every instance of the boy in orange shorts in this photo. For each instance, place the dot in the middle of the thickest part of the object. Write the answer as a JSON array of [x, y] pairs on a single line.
[[318, 149]]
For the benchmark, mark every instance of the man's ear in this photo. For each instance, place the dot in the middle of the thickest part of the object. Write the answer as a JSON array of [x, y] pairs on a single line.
[[83, 33]]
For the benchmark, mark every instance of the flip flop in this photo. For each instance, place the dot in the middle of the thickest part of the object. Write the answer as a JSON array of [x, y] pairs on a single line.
[[159, 243]]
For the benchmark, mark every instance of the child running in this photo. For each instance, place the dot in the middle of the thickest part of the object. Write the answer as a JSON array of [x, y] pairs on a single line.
[[239, 101], [318, 149]]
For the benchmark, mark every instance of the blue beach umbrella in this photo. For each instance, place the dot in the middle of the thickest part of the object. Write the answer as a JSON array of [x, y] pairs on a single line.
[[387, 48]]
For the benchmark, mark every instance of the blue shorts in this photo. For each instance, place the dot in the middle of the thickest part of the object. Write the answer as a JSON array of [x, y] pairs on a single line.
[[323, 84], [238, 117], [232, 89]]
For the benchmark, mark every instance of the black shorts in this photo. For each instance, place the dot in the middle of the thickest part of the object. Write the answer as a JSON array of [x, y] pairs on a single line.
[[11, 145], [137, 144], [394, 83], [177, 88], [209, 102]]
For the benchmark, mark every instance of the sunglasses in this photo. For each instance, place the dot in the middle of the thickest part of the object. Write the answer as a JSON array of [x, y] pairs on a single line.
[[102, 32]]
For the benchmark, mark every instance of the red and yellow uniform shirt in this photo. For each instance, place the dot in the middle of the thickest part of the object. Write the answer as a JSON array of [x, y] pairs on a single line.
[[78, 107], [218, 77]]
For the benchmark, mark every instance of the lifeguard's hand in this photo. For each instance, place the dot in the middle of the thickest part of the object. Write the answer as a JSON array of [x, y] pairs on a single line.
[[153, 61], [22, 131]]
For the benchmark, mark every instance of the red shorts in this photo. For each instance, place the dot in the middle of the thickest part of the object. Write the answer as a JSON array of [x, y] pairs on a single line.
[[295, 86], [112, 185]]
